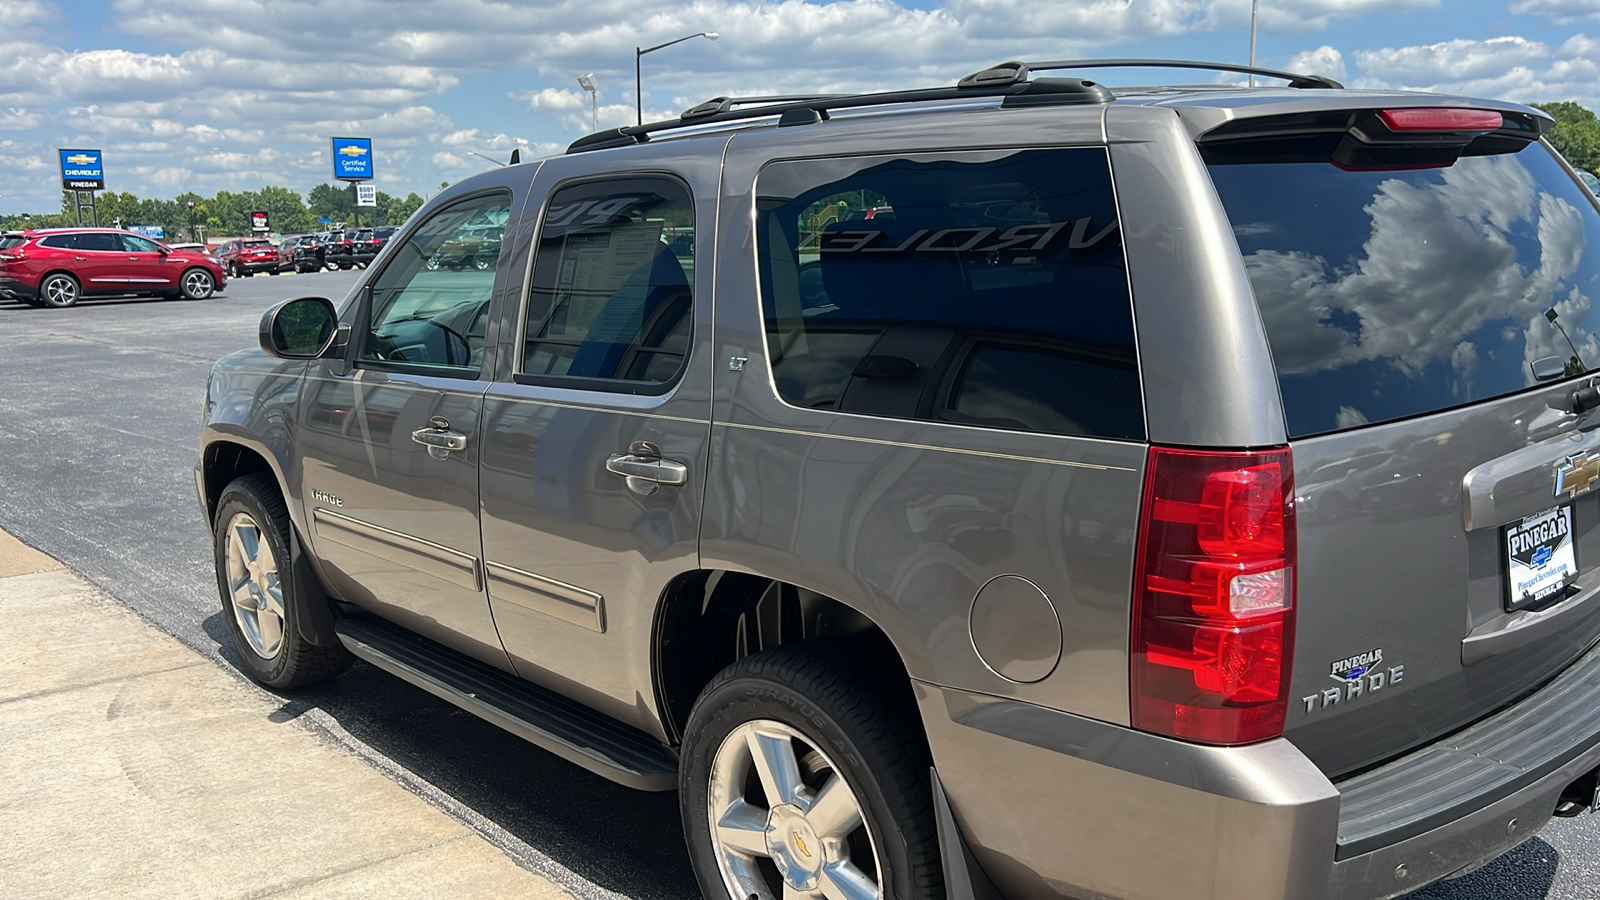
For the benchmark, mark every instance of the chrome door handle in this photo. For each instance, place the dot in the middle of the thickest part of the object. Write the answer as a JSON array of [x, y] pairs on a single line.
[[439, 439], [645, 470]]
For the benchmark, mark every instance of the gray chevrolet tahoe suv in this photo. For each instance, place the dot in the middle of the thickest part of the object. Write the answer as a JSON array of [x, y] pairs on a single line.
[[1015, 489]]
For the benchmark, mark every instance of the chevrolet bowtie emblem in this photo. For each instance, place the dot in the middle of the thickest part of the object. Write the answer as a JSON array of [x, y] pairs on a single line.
[[353, 150], [80, 159], [801, 843], [1576, 474]]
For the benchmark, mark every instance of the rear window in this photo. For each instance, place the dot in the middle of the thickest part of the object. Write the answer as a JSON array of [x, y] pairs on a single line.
[[7, 241], [256, 245], [1389, 294], [981, 288]]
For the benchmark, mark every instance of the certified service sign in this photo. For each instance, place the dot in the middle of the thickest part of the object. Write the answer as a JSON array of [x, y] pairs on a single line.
[[352, 158], [81, 170]]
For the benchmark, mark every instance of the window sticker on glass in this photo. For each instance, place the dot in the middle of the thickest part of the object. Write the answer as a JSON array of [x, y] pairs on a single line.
[[1540, 557]]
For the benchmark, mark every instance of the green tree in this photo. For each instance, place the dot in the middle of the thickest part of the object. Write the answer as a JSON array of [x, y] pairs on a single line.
[[285, 210], [330, 201], [401, 209], [1576, 133]]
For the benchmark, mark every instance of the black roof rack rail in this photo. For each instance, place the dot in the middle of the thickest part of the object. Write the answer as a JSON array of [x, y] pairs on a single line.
[[724, 104], [1295, 79], [721, 109], [1012, 81]]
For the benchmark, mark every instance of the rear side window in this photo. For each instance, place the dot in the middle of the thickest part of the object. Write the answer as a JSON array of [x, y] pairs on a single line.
[[612, 286], [1394, 293], [60, 241], [981, 288]]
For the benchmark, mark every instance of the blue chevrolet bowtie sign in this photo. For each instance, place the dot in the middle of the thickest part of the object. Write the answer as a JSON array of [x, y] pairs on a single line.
[[352, 158], [81, 170]]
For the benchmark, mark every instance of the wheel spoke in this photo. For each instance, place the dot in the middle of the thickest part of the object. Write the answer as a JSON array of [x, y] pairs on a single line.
[[243, 597], [834, 814], [775, 763], [843, 881], [743, 829], [271, 628], [248, 541], [794, 893], [272, 595]]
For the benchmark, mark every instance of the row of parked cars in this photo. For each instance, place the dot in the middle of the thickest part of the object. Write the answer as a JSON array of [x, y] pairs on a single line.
[[59, 266], [339, 249]]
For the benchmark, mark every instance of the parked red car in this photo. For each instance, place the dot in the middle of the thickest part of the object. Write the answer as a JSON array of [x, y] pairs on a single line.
[[59, 266], [249, 256]]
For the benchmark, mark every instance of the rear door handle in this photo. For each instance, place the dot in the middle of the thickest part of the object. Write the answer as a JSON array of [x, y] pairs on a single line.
[[645, 470]]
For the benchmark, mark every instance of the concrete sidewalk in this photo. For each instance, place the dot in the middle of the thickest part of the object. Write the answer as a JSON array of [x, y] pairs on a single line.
[[132, 767]]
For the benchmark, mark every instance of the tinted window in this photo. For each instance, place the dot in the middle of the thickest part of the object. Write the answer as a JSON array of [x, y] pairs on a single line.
[[99, 240], [1389, 294], [430, 303], [985, 288], [611, 291], [60, 241], [11, 240], [135, 244]]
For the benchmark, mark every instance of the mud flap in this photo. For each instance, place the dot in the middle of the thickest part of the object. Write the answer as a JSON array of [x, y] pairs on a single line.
[[313, 608], [963, 878]]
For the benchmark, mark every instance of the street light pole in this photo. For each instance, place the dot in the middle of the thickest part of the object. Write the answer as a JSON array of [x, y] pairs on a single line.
[[1255, 10], [587, 83], [638, 78]]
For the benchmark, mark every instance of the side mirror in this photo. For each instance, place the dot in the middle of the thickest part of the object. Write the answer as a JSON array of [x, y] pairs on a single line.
[[299, 329]]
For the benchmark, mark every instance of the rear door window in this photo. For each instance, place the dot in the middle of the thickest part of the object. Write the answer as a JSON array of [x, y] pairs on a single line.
[[611, 297], [982, 288], [99, 240], [1390, 293]]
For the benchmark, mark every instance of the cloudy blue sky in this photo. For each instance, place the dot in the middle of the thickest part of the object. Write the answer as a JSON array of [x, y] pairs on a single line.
[[209, 94]]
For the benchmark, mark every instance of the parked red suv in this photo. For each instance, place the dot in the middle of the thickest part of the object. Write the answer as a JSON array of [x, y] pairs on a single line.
[[249, 256], [57, 267]]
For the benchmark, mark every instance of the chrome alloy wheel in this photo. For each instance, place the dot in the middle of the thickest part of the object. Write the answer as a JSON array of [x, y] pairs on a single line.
[[785, 823], [60, 290], [253, 586], [198, 284]]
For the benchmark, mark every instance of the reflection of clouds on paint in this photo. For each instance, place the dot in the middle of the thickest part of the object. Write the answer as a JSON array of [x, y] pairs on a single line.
[[1253, 229], [1439, 264], [1463, 365]]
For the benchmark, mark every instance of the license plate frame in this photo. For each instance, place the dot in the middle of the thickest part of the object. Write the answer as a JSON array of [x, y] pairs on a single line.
[[1541, 557]]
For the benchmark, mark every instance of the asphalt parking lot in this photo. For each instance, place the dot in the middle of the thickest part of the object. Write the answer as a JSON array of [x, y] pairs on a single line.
[[99, 415]]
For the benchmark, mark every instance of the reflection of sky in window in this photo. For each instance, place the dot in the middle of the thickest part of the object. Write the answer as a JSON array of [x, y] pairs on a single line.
[[1389, 294]]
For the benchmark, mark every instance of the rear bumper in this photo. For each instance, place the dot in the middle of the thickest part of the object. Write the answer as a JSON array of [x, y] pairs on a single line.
[[257, 265], [17, 288], [1057, 805]]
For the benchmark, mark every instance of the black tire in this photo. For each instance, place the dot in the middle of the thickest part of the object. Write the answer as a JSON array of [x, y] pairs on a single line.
[[296, 662], [59, 290], [861, 716], [196, 284]]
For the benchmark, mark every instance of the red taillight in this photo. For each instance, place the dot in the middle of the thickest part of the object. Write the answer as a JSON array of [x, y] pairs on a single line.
[[1440, 119], [1213, 597]]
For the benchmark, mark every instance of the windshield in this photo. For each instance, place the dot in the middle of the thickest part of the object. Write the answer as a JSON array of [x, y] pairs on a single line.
[[1389, 294]]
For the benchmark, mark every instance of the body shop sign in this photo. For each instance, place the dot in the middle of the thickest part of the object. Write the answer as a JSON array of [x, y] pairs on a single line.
[[81, 170]]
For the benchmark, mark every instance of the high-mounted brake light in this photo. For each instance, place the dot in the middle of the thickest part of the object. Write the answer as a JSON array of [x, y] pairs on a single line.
[[1213, 598], [1440, 119]]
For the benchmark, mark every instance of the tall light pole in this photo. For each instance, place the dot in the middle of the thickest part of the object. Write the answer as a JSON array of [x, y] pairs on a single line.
[[587, 83], [1255, 10], [638, 78]]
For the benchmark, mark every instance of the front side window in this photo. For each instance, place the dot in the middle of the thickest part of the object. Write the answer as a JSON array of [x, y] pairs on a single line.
[[611, 292], [981, 288], [135, 244], [429, 306]]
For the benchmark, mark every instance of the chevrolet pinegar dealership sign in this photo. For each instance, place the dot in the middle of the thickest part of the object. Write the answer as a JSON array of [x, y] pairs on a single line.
[[352, 158], [81, 170]]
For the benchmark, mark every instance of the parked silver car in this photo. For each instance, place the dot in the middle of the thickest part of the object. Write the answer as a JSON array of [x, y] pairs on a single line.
[[909, 480]]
